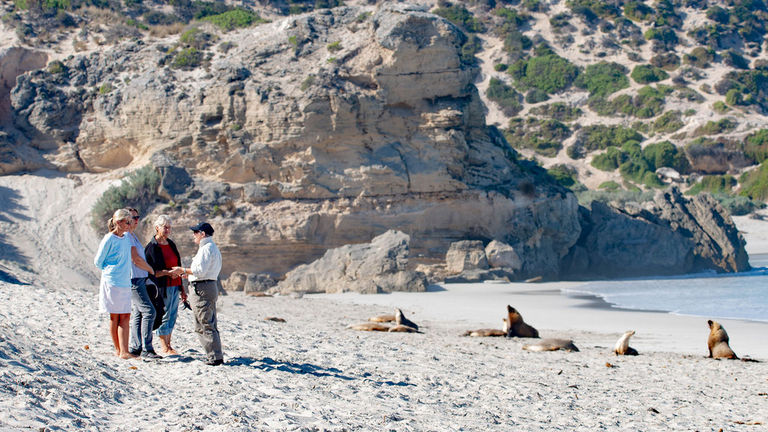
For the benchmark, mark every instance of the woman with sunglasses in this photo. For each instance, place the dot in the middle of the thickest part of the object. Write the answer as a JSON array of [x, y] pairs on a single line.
[[114, 259]]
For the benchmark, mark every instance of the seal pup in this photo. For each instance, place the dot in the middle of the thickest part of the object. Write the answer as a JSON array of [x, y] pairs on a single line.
[[551, 345], [488, 332], [517, 327], [622, 345], [400, 319], [382, 318], [717, 342], [275, 319], [368, 326]]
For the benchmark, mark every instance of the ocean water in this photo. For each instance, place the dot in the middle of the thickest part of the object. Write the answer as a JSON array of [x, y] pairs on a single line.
[[733, 296]]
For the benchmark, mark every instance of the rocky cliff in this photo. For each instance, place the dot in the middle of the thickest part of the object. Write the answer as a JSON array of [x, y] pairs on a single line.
[[313, 132], [306, 134]]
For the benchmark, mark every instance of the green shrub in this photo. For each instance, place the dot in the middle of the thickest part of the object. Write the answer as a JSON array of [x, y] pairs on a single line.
[[549, 73], [754, 184], [649, 102], [718, 14], [645, 74], [535, 96], [634, 170], [713, 184], [700, 57], [516, 45], [756, 145], [56, 67], [469, 48], [610, 160], [236, 18], [720, 107], [598, 137], [666, 61], [138, 190], [105, 88], [563, 174], [715, 127], [307, 83], [688, 94], [665, 154], [738, 205], [668, 122], [334, 46], [187, 59], [664, 35], [461, 17], [602, 79], [593, 9], [734, 97], [651, 180], [500, 67], [505, 96], [735, 60], [558, 111], [196, 38], [638, 11], [609, 185], [545, 137]]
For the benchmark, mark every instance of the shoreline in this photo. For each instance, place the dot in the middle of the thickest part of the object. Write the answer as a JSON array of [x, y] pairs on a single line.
[[556, 313]]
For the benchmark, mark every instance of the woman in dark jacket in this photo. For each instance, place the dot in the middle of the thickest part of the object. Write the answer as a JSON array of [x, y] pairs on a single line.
[[163, 255]]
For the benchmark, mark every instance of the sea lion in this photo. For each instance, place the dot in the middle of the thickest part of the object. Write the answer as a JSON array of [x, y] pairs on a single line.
[[400, 328], [382, 318], [368, 326], [622, 345], [275, 319], [488, 332], [400, 319], [717, 342], [517, 327], [551, 345]]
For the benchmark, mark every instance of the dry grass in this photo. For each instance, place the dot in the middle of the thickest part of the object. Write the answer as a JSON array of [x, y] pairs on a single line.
[[161, 31]]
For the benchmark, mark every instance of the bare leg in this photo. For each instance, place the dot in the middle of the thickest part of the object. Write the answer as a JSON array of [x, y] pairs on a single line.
[[114, 320], [170, 349], [124, 324], [164, 348]]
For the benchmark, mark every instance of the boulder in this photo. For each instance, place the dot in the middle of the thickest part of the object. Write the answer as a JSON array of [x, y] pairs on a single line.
[[375, 267], [261, 282], [502, 255], [466, 255], [671, 235], [235, 281]]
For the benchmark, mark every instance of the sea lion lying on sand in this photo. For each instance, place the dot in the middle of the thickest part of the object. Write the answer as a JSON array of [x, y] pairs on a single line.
[[717, 342], [622, 345], [369, 326], [551, 345], [382, 318], [517, 327], [400, 319], [488, 332], [402, 329]]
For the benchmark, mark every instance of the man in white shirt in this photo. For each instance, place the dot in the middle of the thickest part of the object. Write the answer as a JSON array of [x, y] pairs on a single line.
[[203, 275]]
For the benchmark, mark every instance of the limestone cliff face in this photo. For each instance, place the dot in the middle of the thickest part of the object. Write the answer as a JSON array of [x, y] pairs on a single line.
[[307, 134]]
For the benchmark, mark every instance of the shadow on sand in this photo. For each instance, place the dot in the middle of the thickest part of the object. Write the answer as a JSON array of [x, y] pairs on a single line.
[[268, 364], [9, 212]]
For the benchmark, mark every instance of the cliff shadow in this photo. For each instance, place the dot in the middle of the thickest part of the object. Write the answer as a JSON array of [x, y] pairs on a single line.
[[10, 211]]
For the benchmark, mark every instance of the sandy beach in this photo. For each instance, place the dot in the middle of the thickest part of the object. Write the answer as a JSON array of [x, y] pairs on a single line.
[[58, 371]]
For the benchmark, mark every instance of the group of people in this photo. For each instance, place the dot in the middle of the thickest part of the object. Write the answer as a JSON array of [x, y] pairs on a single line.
[[141, 287]]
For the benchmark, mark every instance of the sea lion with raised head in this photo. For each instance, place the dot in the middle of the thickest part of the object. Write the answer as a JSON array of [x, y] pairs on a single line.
[[400, 319], [516, 327], [717, 342], [369, 326], [622, 345], [551, 345]]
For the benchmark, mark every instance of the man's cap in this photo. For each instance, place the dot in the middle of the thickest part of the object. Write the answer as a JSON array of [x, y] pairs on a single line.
[[204, 227]]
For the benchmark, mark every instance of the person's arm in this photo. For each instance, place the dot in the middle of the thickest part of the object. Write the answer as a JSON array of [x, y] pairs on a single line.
[[139, 261], [101, 253]]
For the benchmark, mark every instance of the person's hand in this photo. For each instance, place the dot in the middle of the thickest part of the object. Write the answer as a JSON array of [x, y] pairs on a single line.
[[177, 271]]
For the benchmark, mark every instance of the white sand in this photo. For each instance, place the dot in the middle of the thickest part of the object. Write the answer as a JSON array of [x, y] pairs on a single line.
[[311, 373]]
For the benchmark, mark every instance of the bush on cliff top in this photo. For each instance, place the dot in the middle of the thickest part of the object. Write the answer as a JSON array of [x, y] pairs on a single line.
[[236, 18], [138, 189], [546, 71]]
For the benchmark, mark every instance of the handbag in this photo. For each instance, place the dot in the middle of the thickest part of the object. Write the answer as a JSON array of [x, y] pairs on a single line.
[[156, 297]]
